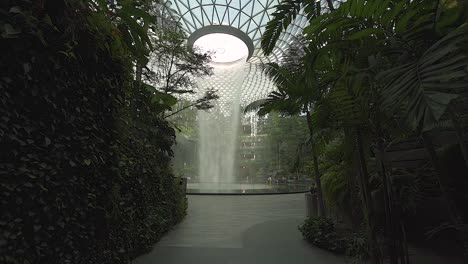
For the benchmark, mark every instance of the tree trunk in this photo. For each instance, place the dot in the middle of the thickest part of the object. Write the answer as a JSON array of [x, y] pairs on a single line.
[[460, 134], [330, 5], [318, 183], [389, 217], [278, 155], [394, 236], [368, 209], [139, 72], [321, 204]]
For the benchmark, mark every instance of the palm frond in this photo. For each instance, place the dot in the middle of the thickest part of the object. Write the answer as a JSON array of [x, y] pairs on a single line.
[[285, 13], [255, 106], [358, 20], [280, 101], [279, 75]]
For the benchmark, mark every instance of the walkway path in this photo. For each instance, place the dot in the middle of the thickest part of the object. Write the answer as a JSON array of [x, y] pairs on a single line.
[[250, 229]]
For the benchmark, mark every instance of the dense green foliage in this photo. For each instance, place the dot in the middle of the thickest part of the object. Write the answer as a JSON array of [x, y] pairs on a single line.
[[322, 233], [284, 148], [84, 159], [375, 73], [334, 181]]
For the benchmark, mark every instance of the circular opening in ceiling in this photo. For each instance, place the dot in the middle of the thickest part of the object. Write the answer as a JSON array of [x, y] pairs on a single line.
[[225, 48]]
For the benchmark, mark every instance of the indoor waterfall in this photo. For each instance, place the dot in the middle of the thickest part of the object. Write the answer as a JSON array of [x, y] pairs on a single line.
[[219, 128]]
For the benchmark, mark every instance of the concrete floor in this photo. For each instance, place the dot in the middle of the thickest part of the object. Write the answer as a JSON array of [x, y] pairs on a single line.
[[239, 229], [251, 229]]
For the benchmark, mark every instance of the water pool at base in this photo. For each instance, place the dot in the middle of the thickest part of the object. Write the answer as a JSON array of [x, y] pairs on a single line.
[[246, 188]]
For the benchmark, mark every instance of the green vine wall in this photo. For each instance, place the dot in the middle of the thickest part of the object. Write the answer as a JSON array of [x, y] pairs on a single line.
[[84, 165]]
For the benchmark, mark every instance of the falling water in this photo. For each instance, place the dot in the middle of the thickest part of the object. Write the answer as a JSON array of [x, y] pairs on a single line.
[[219, 127]]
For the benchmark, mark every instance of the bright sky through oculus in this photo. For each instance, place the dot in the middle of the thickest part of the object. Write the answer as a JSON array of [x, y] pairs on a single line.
[[225, 48]]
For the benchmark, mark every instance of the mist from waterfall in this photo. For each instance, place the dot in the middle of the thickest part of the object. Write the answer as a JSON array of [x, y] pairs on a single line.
[[219, 127]]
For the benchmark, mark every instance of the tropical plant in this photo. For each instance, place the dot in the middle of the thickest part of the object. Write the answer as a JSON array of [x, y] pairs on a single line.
[[282, 144], [375, 54], [173, 69], [133, 21], [321, 232], [334, 181], [295, 96]]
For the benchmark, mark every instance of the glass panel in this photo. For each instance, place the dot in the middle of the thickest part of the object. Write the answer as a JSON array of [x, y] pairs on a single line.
[[222, 14], [250, 16], [197, 17], [181, 7], [234, 17], [247, 6], [208, 13]]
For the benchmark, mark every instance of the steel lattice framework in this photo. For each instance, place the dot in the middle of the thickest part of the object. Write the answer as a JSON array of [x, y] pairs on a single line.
[[250, 17]]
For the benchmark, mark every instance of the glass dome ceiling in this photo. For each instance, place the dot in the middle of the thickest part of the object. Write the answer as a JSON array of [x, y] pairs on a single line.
[[248, 16]]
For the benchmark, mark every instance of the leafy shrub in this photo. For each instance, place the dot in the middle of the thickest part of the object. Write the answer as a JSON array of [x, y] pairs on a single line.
[[356, 246], [321, 232]]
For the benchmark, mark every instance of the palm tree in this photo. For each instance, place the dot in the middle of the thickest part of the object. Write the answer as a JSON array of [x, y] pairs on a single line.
[[293, 83]]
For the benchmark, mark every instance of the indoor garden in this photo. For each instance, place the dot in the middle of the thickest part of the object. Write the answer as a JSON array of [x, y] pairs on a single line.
[[234, 131]]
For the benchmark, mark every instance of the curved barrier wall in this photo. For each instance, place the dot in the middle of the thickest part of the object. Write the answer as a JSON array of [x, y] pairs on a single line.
[[246, 188]]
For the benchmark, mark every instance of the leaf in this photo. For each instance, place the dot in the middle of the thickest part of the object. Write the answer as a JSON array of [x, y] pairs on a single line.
[[10, 31], [16, 10], [47, 141], [285, 13], [390, 16], [426, 85], [26, 67], [255, 106], [164, 98], [438, 102], [403, 22], [365, 33]]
